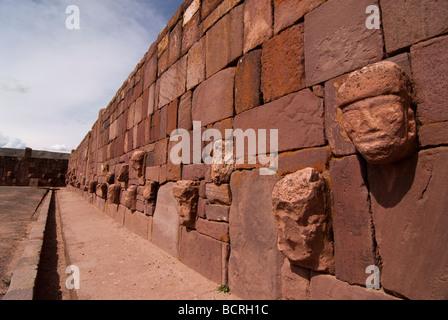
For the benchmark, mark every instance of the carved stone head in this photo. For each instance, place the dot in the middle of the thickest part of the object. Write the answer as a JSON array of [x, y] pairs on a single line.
[[137, 162], [376, 104]]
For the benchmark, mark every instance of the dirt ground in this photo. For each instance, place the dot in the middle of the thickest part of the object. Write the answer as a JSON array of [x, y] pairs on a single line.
[[17, 207]]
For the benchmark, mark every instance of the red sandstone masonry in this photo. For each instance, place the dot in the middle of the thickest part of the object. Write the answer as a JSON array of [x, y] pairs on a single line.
[[277, 64]]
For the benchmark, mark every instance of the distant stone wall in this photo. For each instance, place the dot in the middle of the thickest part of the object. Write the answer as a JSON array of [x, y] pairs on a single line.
[[358, 196], [32, 168]]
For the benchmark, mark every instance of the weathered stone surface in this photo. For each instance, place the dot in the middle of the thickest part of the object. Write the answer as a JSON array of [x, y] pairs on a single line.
[[353, 243], [283, 69], [192, 31], [137, 162], [129, 197], [193, 172], [152, 173], [340, 143], [224, 41], [208, 6], [150, 191], [255, 262], [248, 82], [301, 209], [213, 99], [218, 194], [172, 117], [257, 23], [295, 282], [113, 194], [138, 223], [110, 178], [172, 83], [217, 212], [184, 120], [186, 193], [434, 134], [215, 230], [204, 254], [377, 114], [196, 64], [316, 158], [409, 214], [123, 173], [175, 44], [92, 186], [287, 12], [165, 231], [340, 44], [298, 117], [101, 191], [150, 71], [430, 70], [406, 22], [326, 287]]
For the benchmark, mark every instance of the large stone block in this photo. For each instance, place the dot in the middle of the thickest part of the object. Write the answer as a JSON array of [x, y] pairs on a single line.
[[204, 254], [409, 214], [257, 23], [353, 242], [172, 83], [295, 282], [434, 134], [218, 194], [326, 287], [224, 41], [283, 69], [255, 262], [316, 158], [341, 43], [165, 228], [196, 64], [248, 82], [213, 99], [298, 117], [430, 70], [338, 139], [138, 223], [287, 12], [406, 22]]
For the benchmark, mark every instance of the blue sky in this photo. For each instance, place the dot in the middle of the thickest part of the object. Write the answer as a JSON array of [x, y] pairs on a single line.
[[54, 81]]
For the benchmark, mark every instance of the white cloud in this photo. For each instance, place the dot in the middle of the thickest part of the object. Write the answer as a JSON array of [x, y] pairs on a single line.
[[58, 148], [13, 143], [68, 75]]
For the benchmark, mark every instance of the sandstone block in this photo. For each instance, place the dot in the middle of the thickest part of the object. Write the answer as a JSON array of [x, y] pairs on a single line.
[[192, 32], [224, 42], [184, 114], [172, 83], [255, 262], [218, 194], [353, 243], [295, 282], [215, 230], [172, 117], [257, 23], [341, 44], [175, 44], [316, 158], [217, 212], [248, 82], [298, 117], [283, 69], [165, 232], [301, 209], [430, 70], [137, 222], [150, 71], [208, 6], [186, 194], [193, 172], [407, 22], [213, 99], [434, 134], [196, 64], [409, 215], [204, 254], [326, 287], [287, 12]]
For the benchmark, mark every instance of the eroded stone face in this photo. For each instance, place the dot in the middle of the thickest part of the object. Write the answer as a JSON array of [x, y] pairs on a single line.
[[137, 162], [101, 190], [130, 196], [186, 194], [113, 193], [377, 115], [300, 208]]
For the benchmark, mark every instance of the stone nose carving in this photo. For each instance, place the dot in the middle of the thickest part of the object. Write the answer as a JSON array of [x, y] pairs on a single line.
[[376, 104]]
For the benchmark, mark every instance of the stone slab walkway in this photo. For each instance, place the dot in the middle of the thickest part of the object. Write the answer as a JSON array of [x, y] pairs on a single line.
[[116, 264]]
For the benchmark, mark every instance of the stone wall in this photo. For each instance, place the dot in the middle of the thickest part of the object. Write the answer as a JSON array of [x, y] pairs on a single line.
[[333, 210], [32, 168]]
